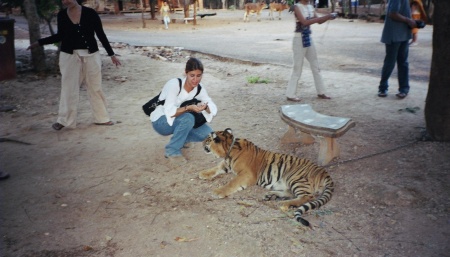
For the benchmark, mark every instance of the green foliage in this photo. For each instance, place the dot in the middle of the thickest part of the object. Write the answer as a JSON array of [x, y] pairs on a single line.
[[290, 2], [256, 79], [48, 9]]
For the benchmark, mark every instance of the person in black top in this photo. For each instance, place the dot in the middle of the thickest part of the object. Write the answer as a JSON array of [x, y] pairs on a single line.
[[79, 61]]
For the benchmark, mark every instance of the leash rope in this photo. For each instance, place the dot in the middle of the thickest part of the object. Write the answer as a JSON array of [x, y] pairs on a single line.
[[229, 150], [371, 155]]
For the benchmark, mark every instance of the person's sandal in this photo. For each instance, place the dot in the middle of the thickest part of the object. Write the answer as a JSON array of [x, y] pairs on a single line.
[[109, 123], [401, 95], [323, 96], [294, 99], [57, 126]]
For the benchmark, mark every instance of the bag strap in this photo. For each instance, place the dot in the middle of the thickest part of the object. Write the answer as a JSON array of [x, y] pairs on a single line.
[[199, 88]]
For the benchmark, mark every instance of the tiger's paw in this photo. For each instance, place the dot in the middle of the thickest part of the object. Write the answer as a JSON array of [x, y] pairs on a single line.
[[274, 196], [269, 197], [207, 174], [220, 192], [284, 208]]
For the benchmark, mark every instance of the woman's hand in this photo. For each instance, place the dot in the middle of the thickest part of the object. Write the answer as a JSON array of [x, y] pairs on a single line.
[[32, 46], [197, 108], [115, 60], [204, 107]]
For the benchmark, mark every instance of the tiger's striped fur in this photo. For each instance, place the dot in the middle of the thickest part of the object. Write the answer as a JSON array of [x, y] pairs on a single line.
[[299, 182]]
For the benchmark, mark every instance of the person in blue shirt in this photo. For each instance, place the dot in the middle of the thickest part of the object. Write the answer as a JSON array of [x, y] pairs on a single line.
[[396, 35]]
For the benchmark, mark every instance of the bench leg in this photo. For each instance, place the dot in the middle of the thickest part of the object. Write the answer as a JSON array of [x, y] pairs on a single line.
[[328, 149], [291, 136]]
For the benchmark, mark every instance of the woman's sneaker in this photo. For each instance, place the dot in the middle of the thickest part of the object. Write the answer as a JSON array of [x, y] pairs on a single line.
[[177, 159], [382, 93]]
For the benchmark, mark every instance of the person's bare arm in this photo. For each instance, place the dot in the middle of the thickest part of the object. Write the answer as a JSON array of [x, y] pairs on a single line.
[[315, 19], [400, 18]]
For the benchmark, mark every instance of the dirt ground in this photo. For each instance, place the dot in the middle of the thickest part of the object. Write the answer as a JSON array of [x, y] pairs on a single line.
[[108, 191]]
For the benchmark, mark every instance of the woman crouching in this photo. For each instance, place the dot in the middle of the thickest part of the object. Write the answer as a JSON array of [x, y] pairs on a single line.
[[180, 115]]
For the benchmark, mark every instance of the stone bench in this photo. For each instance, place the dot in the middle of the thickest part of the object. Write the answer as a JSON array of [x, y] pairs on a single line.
[[188, 19], [307, 126], [175, 20]]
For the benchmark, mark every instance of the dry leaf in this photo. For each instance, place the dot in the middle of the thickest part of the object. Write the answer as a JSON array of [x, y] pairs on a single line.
[[245, 204], [87, 248], [183, 239]]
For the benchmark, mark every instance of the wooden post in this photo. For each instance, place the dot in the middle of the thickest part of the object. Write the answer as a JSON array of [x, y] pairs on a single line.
[[142, 14], [195, 12]]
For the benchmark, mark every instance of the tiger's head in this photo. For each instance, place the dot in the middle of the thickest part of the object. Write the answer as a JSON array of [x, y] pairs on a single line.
[[219, 143]]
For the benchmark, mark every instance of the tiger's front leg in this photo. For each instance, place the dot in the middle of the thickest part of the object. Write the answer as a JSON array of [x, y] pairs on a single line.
[[213, 172], [238, 183]]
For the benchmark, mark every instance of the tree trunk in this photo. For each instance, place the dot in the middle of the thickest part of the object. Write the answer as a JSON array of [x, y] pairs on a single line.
[[37, 54], [152, 9], [142, 14], [195, 12], [349, 8], [383, 9], [437, 107], [428, 5]]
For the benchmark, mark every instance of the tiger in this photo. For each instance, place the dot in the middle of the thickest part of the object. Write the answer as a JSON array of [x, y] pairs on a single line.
[[298, 182]]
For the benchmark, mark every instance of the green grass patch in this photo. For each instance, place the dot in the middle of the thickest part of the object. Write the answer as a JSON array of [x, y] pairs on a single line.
[[255, 79]]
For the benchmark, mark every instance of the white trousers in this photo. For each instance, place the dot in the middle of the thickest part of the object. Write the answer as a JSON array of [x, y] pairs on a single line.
[[300, 53], [166, 21], [75, 69]]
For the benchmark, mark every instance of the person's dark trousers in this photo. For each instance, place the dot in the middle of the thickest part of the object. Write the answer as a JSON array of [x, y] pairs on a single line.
[[396, 52]]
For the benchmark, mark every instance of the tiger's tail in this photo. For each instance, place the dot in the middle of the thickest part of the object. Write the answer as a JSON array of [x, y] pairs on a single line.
[[323, 199]]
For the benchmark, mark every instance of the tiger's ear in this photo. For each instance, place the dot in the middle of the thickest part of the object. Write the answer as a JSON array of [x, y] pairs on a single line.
[[228, 130]]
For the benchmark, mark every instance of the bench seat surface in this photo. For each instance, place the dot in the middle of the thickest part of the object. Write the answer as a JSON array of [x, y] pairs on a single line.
[[304, 117]]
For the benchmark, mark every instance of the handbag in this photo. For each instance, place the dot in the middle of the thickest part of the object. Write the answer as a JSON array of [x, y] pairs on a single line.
[[151, 105]]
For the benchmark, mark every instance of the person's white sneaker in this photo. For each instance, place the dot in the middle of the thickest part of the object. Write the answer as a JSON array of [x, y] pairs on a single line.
[[177, 159]]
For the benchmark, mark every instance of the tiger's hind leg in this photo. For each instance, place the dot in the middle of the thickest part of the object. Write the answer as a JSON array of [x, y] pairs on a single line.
[[285, 205], [278, 191], [214, 172]]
